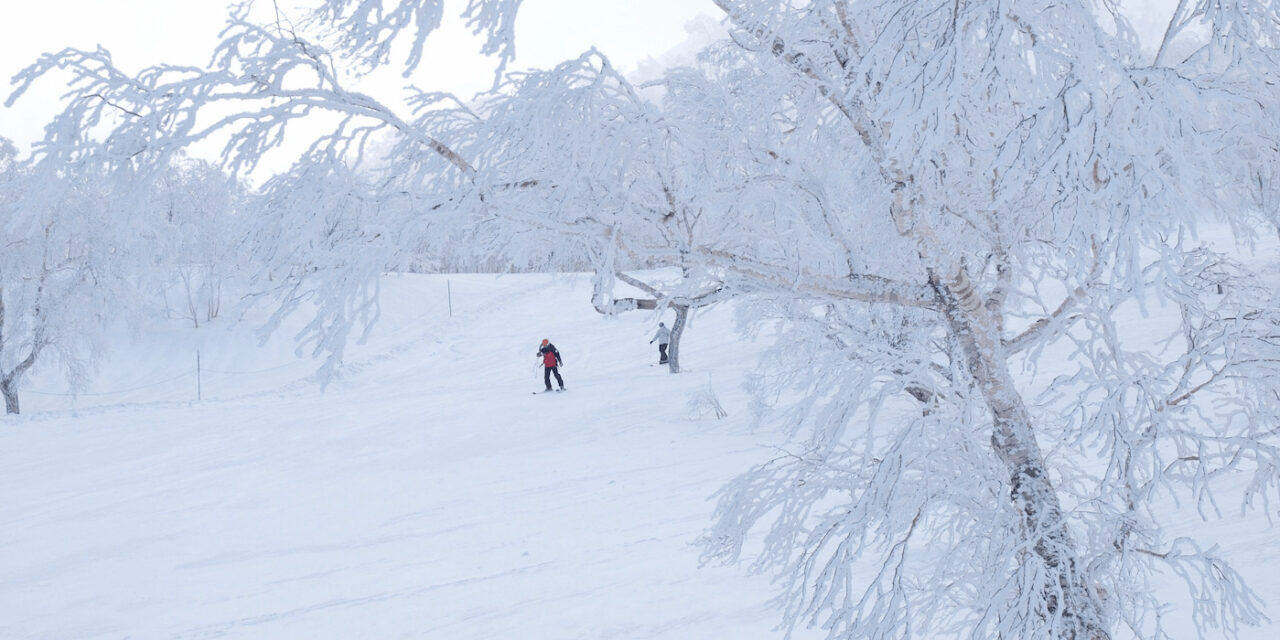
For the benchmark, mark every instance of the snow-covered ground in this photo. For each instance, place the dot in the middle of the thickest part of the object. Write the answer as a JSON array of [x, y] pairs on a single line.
[[427, 493]]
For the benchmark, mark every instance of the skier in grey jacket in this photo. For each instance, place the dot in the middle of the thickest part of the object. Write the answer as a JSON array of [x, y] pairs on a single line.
[[663, 336]]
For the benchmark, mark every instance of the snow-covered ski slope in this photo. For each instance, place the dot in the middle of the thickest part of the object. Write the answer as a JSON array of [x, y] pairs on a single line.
[[425, 494]]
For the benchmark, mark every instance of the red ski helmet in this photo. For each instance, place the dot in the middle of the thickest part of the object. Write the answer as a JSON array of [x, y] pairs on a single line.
[[545, 341]]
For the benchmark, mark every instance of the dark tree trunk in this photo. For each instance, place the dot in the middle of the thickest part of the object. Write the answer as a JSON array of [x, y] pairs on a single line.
[[10, 395], [9, 382], [677, 328]]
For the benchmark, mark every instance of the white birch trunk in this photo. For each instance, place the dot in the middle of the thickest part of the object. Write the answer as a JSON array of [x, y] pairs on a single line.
[[1067, 593], [1067, 596]]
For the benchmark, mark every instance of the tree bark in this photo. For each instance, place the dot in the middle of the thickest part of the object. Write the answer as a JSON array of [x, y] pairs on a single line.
[[677, 329], [10, 396], [1069, 595], [8, 383]]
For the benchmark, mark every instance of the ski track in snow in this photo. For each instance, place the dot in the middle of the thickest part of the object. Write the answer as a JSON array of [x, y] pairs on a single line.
[[424, 494]]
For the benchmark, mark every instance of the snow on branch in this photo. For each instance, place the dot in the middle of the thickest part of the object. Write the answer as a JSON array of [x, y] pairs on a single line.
[[368, 29], [860, 287]]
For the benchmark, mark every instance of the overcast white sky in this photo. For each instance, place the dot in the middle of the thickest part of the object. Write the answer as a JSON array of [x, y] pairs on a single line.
[[140, 33]]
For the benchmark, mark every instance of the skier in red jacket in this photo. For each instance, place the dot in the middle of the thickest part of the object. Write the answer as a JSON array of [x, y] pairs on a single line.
[[551, 363]]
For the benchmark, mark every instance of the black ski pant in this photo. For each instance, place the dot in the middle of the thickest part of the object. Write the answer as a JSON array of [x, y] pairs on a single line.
[[662, 353], [546, 376]]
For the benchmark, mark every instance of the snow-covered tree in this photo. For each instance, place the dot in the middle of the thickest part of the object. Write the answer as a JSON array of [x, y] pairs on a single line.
[[939, 202], [323, 239], [198, 236], [66, 273], [936, 197], [265, 81], [576, 155], [1027, 177]]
